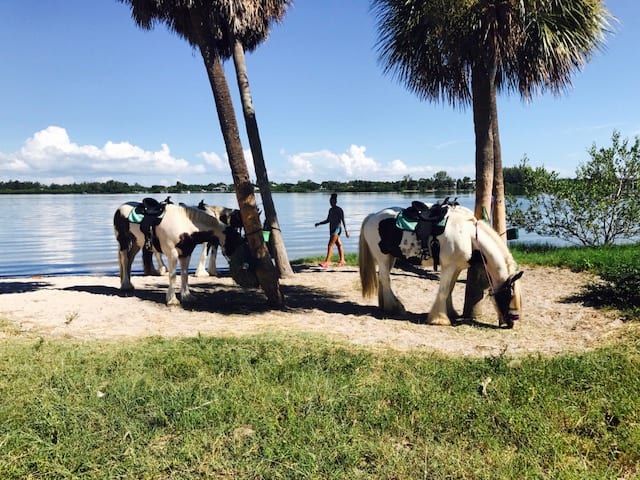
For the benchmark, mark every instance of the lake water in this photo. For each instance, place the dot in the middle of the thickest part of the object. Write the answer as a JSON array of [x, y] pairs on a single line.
[[73, 234]]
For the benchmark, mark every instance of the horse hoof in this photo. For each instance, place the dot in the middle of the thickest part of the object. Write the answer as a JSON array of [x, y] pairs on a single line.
[[201, 274], [442, 321]]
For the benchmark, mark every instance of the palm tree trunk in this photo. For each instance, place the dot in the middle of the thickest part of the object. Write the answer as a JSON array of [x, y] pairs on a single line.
[[265, 269], [481, 85], [276, 240], [498, 214]]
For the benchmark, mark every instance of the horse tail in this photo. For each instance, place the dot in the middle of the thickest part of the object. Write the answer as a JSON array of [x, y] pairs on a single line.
[[367, 264]]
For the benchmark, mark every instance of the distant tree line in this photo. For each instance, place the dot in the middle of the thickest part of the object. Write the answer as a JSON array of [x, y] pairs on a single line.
[[440, 181]]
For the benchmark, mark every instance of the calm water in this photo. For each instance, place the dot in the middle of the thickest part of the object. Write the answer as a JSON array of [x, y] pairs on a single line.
[[73, 234]]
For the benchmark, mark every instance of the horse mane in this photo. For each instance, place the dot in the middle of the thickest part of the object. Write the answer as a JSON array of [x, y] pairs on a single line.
[[502, 246], [200, 217], [468, 214], [512, 266], [217, 211]]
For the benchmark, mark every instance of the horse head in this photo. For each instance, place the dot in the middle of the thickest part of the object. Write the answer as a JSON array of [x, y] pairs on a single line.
[[235, 220], [507, 300], [232, 240]]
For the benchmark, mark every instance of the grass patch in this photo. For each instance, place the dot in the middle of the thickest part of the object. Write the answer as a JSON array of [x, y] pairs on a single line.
[[350, 258], [265, 408], [618, 267], [8, 327], [592, 259]]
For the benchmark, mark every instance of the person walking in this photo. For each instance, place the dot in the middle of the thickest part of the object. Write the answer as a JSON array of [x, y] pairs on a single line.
[[335, 219]]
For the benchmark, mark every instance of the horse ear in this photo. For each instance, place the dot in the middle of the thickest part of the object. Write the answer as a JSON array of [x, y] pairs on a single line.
[[517, 276]]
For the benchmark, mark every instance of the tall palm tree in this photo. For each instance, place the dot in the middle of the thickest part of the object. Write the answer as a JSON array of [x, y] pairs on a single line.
[[204, 24], [265, 12], [465, 51]]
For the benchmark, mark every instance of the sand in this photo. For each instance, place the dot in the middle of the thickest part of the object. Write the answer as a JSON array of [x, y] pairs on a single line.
[[319, 302]]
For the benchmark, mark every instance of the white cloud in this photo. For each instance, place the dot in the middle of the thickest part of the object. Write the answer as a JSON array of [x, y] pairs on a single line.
[[354, 164], [222, 166], [50, 156], [214, 160]]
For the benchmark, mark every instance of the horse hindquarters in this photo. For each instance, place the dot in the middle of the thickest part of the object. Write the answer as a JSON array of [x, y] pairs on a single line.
[[127, 249], [369, 256]]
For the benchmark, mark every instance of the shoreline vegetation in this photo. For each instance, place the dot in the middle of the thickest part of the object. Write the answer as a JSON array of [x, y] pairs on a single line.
[[439, 182]]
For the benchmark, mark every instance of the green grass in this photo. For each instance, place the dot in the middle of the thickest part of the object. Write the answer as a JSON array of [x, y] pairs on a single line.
[[593, 259], [350, 258], [301, 408], [298, 407], [618, 267]]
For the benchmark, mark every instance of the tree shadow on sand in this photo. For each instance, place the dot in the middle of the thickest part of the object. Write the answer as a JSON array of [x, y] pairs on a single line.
[[224, 299], [22, 287]]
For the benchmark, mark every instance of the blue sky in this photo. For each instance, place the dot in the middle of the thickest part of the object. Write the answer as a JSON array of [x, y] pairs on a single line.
[[87, 96]]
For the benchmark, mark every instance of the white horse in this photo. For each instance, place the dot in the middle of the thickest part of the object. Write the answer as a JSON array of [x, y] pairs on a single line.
[[179, 231], [463, 241]]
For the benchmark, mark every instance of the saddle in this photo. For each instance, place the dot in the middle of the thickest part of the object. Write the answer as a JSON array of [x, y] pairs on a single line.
[[149, 214], [427, 223]]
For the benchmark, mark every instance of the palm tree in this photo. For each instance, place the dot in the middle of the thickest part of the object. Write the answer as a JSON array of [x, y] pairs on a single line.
[[465, 51], [267, 11], [205, 25]]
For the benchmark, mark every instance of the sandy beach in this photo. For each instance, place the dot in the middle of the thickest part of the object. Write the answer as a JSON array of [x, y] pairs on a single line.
[[319, 302]]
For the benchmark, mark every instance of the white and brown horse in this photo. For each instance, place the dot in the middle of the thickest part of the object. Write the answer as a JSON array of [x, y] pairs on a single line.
[[463, 241], [230, 216], [179, 231]]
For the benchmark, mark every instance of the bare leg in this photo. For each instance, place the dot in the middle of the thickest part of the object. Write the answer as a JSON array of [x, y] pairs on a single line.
[[332, 241], [340, 251]]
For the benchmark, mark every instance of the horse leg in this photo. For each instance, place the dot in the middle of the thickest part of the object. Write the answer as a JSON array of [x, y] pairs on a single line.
[[213, 271], [386, 298], [172, 258], [125, 260], [147, 262], [451, 311], [162, 268], [443, 305], [200, 270], [185, 294]]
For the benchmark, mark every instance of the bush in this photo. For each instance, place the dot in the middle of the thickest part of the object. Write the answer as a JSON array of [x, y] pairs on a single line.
[[620, 288]]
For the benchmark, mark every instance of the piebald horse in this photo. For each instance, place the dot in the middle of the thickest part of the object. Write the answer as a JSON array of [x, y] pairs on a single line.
[[463, 241], [177, 234], [230, 216]]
